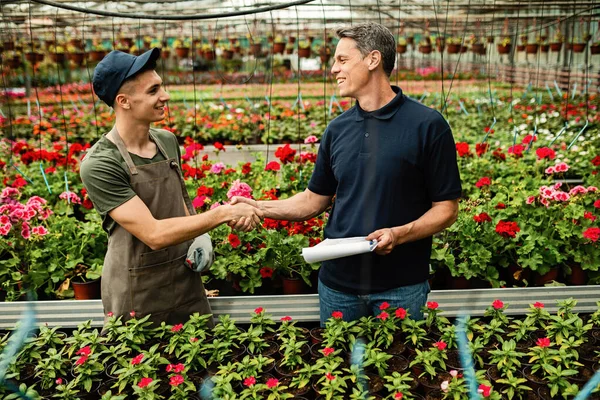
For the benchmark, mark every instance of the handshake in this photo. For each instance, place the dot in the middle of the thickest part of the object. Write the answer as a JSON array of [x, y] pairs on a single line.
[[243, 214]]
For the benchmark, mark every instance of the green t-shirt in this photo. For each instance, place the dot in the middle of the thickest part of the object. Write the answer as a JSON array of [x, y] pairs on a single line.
[[105, 174]]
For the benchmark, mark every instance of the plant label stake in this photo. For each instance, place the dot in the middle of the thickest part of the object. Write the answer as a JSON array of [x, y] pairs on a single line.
[[549, 92], [488, 132], [560, 133], [45, 179], [21, 172], [574, 91], [579, 134], [558, 89], [67, 188], [41, 111]]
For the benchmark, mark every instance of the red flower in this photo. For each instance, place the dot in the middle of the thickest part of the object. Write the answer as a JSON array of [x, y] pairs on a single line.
[[178, 368], [463, 149], [440, 345], [272, 382], [398, 396], [537, 304], [507, 229], [481, 148], [273, 166], [592, 233], [286, 318], [327, 351], [596, 161], [485, 181], [516, 150], [285, 154], [497, 304], [545, 152], [176, 380], [589, 215], [177, 328], [58, 381], [597, 203], [81, 360], [527, 139], [205, 191], [384, 306], [499, 155], [543, 342], [246, 168], [258, 310], [337, 315], [144, 382], [481, 218], [110, 314], [383, 316], [432, 305], [329, 376], [86, 351], [484, 390], [137, 359], [193, 339], [234, 240], [249, 381], [500, 206], [400, 313], [266, 272], [132, 314], [219, 146]]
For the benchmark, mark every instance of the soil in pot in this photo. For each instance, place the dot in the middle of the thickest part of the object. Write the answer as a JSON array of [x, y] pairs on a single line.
[[271, 351], [286, 372], [376, 383], [587, 354], [397, 364], [453, 361], [305, 392], [434, 395], [397, 348], [534, 381], [429, 384], [316, 335], [584, 375]]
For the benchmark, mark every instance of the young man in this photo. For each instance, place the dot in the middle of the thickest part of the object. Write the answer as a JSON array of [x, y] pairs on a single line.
[[391, 164], [133, 177]]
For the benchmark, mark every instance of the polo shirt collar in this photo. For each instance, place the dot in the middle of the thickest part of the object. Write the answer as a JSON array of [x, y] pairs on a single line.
[[385, 112]]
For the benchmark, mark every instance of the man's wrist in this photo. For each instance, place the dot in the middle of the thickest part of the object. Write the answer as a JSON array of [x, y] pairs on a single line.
[[399, 234]]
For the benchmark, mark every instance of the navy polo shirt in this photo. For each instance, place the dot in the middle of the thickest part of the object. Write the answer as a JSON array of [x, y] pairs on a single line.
[[385, 168]]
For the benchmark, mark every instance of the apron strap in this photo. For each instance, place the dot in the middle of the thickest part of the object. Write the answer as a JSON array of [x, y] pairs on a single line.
[[123, 150]]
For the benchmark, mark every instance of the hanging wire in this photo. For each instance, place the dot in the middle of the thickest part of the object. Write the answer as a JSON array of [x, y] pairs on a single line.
[[162, 63], [536, 88], [8, 102], [325, 66], [87, 67], [62, 103]]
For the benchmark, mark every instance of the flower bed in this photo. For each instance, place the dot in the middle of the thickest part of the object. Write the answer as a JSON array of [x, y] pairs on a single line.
[[387, 356]]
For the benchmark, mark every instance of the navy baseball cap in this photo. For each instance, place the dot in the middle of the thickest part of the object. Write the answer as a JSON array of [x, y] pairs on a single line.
[[111, 72]]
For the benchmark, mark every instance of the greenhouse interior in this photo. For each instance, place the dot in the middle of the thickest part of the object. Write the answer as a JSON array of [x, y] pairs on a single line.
[[390, 199]]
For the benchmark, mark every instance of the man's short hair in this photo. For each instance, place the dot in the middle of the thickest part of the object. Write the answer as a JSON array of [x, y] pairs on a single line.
[[372, 36]]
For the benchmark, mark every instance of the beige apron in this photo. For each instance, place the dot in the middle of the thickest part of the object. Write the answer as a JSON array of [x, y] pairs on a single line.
[[136, 278]]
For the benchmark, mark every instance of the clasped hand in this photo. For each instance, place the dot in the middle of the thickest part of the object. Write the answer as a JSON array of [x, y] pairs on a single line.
[[244, 214]]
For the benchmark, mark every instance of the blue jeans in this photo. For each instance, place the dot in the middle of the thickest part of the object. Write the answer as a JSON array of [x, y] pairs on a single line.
[[354, 306]]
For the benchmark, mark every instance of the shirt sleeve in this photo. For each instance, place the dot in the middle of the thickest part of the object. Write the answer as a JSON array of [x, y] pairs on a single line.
[[443, 178], [323, 181], [107, 184]]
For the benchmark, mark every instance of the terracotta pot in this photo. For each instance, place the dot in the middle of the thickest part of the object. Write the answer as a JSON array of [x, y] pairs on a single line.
[[164, 54], [440, 47], [291, 39], [551, 275], [182, 52], [77, 43], [410, 40], [256, 49], [401, 48], [86, 290], [31, 57], [40, 57], [58, 58], [504, 49], [453, 48], [304, 52], [478, 48], [97, 55], [278, 48], [595, 49], [127, 41], [578, 47], [555, 47], [463, 49], [544, 48], [324, 58], [292, 285], [210, 55], [578, 276], [531, 48], [14, 62], [77, 58], [520, 47], [425, 49]]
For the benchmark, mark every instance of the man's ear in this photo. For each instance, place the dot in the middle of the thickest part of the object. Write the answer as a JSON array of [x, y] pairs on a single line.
[[374, 59], [122, 101]]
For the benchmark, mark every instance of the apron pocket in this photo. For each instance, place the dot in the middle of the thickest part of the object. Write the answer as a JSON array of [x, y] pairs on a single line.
[[154, 257], [152, 286]]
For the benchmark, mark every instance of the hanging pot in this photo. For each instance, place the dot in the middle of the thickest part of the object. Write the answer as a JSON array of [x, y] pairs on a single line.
[[304, 52], [278, 47], [595, 49], [182, 52], [531, 48], [555, 47], [504, 49], [578, 47], [401, 48]]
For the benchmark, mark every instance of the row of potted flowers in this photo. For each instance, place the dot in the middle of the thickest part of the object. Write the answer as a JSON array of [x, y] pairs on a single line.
[[391, 355]]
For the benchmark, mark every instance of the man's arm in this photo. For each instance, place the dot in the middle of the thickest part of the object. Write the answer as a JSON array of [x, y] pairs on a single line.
[[299, 207], [135, 217], [441, 215]]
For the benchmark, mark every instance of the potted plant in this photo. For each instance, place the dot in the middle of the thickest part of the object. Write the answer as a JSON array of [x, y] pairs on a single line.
[[304, 49], [182, 47], [401, 45], [425, 45], [279, 45], [86, 281]]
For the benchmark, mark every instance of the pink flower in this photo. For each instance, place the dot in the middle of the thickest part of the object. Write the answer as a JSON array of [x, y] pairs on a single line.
[[384, 306], [178, 368], [272, 382], [454, 373], [337, 315], [132, 314], [537, 304], [550, 170], [444, 386], [383, 316], [530, 200], [543, 342], [578, 190], [137, 359], [592, 189], [311, 139], [39, 230], [199, 201], [86, 351], [561, 167], [239, 189], [81, 360], [25, 232], [484, 390], [176, 380], [497, 304], [258, 310], [110, 314], [217, 168], [329, 376], [70, 196], [286, 318], [249, 381], [398, 396], [177, 328], [432, 305], [400, 313], [440, 345], [58, 381], [144, 382], [561, 196], [327, 351]]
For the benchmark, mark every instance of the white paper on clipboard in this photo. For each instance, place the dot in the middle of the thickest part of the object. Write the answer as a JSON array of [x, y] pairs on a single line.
[[330, 249]]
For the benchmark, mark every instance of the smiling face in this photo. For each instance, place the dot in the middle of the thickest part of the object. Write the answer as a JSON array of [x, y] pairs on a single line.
[[350, 69], [145, 97]]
